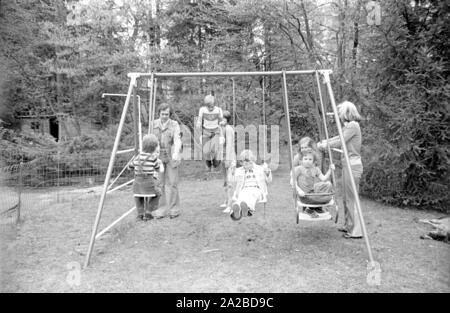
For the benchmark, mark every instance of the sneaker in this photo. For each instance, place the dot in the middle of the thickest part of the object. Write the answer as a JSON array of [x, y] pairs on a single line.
[[236, 212], [147, 217], [140, 217], [223, 205], [227, 210], [311, 213], [245, 209], [159, 214], [348, 236], [216, 164], [320, 210], [174, 214]]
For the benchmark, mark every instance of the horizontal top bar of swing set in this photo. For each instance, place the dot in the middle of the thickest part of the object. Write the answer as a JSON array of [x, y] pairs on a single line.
[[203, 74]]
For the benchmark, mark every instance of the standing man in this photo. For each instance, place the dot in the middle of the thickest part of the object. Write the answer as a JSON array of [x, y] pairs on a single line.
[[167, 131]]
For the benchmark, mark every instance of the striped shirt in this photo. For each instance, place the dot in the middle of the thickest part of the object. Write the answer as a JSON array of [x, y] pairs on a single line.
[[145, 163], [210, 119]]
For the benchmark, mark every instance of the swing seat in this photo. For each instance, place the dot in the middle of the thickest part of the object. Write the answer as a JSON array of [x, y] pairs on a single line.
[[302, 216]]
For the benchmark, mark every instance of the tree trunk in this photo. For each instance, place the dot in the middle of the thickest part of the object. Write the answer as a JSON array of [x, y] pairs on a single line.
[[309, 38], [356, 34], [341, 38], [158, 25], [200, 63], [268, 63]]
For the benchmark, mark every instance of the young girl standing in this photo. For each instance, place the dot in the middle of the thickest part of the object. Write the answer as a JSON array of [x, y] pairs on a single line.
[[146, 167]]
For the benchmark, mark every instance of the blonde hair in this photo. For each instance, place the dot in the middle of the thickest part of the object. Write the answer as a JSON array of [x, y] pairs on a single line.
[[308, 141], [209, 99], [149, 143], [347, 112], [247, 155]]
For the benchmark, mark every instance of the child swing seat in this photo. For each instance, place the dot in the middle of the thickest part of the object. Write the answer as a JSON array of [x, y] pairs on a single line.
[[299, 205], [301, 215]]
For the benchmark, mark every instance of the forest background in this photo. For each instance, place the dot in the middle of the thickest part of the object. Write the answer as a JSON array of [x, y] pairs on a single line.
[[57, 58]]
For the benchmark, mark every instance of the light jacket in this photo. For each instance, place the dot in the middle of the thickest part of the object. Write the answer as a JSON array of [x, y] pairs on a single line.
[[261, 178], [169, 138]]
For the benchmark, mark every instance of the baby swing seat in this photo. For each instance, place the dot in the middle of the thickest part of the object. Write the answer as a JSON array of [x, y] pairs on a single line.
[[301, 215]]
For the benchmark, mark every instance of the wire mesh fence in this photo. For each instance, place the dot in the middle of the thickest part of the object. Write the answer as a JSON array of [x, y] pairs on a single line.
[[55, 178]]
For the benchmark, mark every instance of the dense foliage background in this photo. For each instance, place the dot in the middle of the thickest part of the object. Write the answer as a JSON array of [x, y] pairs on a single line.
[[58, 57]]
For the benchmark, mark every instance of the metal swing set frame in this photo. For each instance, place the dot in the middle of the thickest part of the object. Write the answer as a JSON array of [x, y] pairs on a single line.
[[152, 77]]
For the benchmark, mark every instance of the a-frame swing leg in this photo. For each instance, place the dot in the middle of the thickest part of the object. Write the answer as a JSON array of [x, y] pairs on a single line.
[[326, 75], [109, 171]]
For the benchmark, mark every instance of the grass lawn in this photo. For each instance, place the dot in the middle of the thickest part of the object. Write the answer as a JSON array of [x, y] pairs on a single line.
[[203, 250]]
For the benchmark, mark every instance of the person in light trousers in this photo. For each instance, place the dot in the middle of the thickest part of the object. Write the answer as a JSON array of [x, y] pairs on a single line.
[[168, 133], [349, 116]]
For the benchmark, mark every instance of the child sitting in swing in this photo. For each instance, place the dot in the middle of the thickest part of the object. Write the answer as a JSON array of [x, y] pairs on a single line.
[[306, 144], [305, 176], [251, 185], [209, 117], [146, 184]]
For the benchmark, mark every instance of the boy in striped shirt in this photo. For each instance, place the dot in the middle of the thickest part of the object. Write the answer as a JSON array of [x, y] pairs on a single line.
[[146, 186]]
